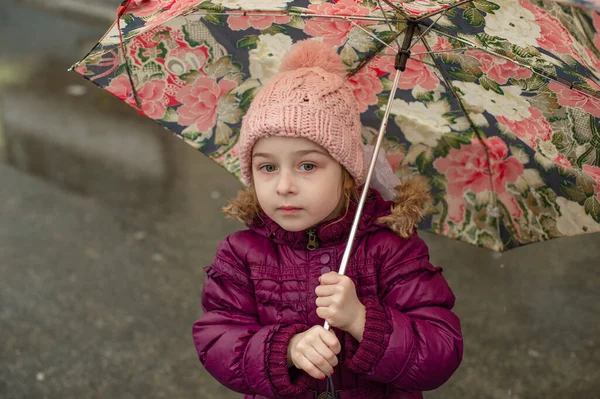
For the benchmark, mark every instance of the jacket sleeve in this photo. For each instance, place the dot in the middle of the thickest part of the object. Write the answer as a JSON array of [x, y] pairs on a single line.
[[232, 344], [412, 340]]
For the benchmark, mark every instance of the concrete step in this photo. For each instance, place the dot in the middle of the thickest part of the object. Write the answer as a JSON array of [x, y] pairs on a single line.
[[59, 126]]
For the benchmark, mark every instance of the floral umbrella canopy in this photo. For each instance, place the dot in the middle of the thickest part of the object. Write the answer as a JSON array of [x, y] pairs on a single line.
[[498, 104]]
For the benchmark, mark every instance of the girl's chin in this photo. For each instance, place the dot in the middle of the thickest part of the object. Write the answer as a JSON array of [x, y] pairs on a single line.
[[294, 223], [293, 227]]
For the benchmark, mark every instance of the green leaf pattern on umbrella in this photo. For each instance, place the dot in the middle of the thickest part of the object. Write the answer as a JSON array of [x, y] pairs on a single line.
[[503, 117]]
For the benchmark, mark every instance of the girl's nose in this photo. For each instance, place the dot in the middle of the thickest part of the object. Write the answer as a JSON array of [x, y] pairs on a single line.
[[285, 185]]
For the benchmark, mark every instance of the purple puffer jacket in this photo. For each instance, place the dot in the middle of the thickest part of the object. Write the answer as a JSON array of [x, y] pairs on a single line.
[[260, 291]]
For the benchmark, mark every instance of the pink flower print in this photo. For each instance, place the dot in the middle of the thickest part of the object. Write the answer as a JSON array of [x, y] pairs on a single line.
[[594, 173], [574, 99], [152, 98], [257, 21], [121, 88], [498, 68], [175, 8], [419, 7], [145, 8], [365, 86], [151, 95], [416, 73], [561, 160], [467, 168], [442, 44], [199, 102], [530, 129], [594, 61], [554, 37], [334, 31]]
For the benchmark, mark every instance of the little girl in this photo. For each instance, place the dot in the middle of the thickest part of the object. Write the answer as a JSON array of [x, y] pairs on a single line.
[[272, 286]]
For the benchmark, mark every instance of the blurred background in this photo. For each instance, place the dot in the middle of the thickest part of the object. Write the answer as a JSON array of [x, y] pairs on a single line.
[[106, 221]]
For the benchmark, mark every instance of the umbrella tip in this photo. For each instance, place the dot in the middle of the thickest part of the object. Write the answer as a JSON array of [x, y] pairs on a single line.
[[311, 53]]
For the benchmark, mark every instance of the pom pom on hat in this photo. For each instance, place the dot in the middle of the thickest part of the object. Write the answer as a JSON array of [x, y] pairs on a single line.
[[311, 53]]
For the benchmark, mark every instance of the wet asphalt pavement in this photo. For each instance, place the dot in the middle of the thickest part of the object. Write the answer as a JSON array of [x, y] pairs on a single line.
[[106, 221]]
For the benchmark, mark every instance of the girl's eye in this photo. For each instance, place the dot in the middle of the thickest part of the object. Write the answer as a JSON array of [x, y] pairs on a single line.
[[308, 167], [268, 168]]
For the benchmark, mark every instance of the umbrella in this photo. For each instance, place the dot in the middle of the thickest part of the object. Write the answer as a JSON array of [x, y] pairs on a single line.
[[496, 102]]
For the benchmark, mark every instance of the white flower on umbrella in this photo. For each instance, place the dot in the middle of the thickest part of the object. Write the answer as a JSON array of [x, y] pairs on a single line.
[[461, 123], [253, 4], [548, 149], [531, 179], [511, 105], [421, 123], [266, 57], [514, 23], [478, 119], [573, 220]]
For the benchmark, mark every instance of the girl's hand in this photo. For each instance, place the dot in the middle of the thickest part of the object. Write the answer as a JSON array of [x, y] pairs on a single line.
[[314, 352], [339, 305]]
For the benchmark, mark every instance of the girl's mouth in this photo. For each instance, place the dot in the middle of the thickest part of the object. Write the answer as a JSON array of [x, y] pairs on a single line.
[[289, 210]]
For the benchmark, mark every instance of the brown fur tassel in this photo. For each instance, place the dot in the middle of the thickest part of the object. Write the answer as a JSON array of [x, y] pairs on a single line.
[[244, 208], [412, 204]]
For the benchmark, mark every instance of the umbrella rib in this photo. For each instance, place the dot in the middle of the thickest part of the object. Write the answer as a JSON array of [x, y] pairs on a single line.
[[398, 10], [477, 132], [387, 44], [426, 30], [453, 50], [259, 13], [556, 79], [388, 23]]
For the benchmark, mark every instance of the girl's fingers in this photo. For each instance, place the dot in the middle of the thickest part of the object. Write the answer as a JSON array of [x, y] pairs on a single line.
[[324, 350], [332, 342], [330, 278], [323, 313], [311, 369], [325, 290], [318, 361], [322, 302]]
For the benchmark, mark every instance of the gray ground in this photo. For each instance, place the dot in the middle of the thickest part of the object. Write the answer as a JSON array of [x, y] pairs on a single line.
[[106, 222]]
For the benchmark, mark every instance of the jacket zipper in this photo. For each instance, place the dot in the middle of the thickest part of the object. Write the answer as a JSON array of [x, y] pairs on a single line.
[[312, 240]]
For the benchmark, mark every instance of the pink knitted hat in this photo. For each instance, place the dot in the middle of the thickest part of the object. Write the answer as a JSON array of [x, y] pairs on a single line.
[[308, 97]]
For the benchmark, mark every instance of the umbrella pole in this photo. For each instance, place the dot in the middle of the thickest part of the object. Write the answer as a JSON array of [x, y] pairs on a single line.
[[400, 65]]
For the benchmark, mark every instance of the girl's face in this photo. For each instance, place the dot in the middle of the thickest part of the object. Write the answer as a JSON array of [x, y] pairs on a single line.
[[297, 183]]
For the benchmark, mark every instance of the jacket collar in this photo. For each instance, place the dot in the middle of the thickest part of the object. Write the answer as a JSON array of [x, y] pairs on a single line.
[[401, 216]]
